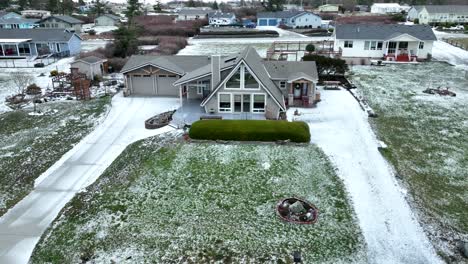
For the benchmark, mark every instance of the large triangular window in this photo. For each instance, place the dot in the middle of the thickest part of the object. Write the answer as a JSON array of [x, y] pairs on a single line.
[[249, 80], [235, 81], [242, 78]]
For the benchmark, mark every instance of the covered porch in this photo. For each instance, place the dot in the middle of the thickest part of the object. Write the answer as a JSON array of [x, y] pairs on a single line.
[[190, 111], [404, 48], [15, 48], [301, 92]]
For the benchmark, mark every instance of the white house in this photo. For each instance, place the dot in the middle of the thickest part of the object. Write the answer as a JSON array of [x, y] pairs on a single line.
[[329, 8], [294, 19], [439, 14], [193, 13], [107, 20], [221, 19], [392, 42], [35, 13], [388, 8]]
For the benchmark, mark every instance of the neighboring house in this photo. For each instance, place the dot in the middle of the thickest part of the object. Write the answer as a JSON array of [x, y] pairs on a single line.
[[9, 15], [361, 8], [294, 19], [329, 8], [388, 8], [24, 43], [292, 7], [40, 14], [64, 22], [107, 20], [20, 23], [86, 8], [91, 66], [238, 84], [193, 13], [439, 14], [221, 19], [393, 42]]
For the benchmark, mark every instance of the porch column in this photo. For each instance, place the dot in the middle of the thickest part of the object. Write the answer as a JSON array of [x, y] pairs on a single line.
[[17, 49], [386, 48], [291, 95], [181, 95], [396, 50], [311, 92], [3, 50]]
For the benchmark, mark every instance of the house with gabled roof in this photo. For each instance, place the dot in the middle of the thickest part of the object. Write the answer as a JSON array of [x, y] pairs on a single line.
[[92, 66], [61, 21], [107, 20], [240, 85], [294, 19], [430, 14], [26, 43], [221, 19], [391, 42]]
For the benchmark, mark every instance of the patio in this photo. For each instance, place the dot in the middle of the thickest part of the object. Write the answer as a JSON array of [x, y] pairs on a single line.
[[191, 111]]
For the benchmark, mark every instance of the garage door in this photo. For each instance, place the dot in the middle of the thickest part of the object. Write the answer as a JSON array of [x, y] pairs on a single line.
[[272, 22], [142, 85], [165, 87], [263, 22]]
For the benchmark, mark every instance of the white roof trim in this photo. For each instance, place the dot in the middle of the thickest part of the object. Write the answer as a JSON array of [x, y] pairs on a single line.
[[149, 64], [14, 40]]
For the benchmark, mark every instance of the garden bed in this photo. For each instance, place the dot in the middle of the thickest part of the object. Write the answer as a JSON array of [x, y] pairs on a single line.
[[250, 130]]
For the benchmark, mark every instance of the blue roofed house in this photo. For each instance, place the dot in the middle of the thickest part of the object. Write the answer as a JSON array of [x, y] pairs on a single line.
[[29, 43], [294, 19], [21, 23]]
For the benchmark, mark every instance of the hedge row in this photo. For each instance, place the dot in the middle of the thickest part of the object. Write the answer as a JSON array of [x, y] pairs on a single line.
[[250, 130]]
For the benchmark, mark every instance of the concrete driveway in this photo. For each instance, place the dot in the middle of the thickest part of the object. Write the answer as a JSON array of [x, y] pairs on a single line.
[[22, 226]]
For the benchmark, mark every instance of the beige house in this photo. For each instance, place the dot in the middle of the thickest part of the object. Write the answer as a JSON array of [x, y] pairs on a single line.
[[329, 8], [59, 21], [91, 66]]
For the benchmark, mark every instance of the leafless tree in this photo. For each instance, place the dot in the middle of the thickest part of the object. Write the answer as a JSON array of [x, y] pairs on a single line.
[[22, 80]]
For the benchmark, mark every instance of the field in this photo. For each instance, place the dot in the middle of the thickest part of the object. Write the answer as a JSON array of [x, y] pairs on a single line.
[[166, 202], [427, 138], [30, 144]]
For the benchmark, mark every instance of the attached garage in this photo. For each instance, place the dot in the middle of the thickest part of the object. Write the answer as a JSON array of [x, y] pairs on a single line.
[[263, 22], [160, 85], [142, 85]]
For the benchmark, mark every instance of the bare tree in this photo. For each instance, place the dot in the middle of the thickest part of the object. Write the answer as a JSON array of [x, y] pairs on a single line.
[[22, 80]]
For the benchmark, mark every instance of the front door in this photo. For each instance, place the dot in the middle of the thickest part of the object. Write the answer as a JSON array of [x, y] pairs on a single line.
[[392, 47], [246, 103], [297, 90]]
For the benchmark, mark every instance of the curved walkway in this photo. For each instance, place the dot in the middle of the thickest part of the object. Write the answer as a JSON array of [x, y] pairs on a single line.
[[22, 226], [341, 129]]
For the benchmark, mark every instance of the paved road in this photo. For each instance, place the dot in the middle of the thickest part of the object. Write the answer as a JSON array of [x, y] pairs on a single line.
[[22, 226], [392, 233]]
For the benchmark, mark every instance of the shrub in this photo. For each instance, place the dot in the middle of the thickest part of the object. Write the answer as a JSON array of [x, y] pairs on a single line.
[[310, 48], [250, 130], [416, 21], [39, 65], [92, 32], [53, 73], [33, 89]]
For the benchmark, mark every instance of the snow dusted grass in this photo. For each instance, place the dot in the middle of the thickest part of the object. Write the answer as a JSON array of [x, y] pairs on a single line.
[[199, 203], [30, 144], [427, 136]]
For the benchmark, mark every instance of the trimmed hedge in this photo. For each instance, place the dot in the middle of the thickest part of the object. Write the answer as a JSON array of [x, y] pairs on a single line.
[[250, 130]]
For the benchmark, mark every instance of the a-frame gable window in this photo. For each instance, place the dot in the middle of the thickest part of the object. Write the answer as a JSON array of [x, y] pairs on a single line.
[[235, 81], [242, 79]]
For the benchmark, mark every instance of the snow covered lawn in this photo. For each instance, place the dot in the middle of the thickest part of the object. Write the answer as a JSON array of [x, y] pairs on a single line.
[[427, 138], [29, 145], [164, 202]]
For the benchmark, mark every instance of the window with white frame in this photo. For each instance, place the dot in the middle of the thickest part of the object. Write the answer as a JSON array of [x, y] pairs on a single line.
[[366, 45], [258, 103], [379, 45], [242, 79], [373, 45], [235, 81], [421, 45], [282, 85], [225, 103], [348, 44]]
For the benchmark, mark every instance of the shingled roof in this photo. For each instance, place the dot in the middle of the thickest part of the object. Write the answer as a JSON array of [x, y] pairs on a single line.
[[443, 9], [37, 34], [281, 14], [64, 18], [179, 64], [383, 31]]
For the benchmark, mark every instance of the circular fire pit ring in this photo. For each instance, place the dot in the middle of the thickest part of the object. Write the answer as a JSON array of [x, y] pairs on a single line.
[[296, 210]]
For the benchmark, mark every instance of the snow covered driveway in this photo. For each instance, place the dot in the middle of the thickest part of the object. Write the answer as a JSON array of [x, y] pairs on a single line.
[[341, 129], [22, 226]]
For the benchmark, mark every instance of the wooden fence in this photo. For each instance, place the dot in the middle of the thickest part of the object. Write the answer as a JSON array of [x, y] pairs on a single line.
[[458, 43]]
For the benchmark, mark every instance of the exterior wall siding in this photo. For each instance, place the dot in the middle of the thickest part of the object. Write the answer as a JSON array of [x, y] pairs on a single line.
[[74, 45], [358, 50]]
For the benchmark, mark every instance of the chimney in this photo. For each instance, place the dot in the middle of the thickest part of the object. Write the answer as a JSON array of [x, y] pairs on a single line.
[[215, 70]]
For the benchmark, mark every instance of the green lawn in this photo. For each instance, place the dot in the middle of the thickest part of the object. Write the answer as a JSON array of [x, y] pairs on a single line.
[[200, 203], [427, 137], [29, 145]]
